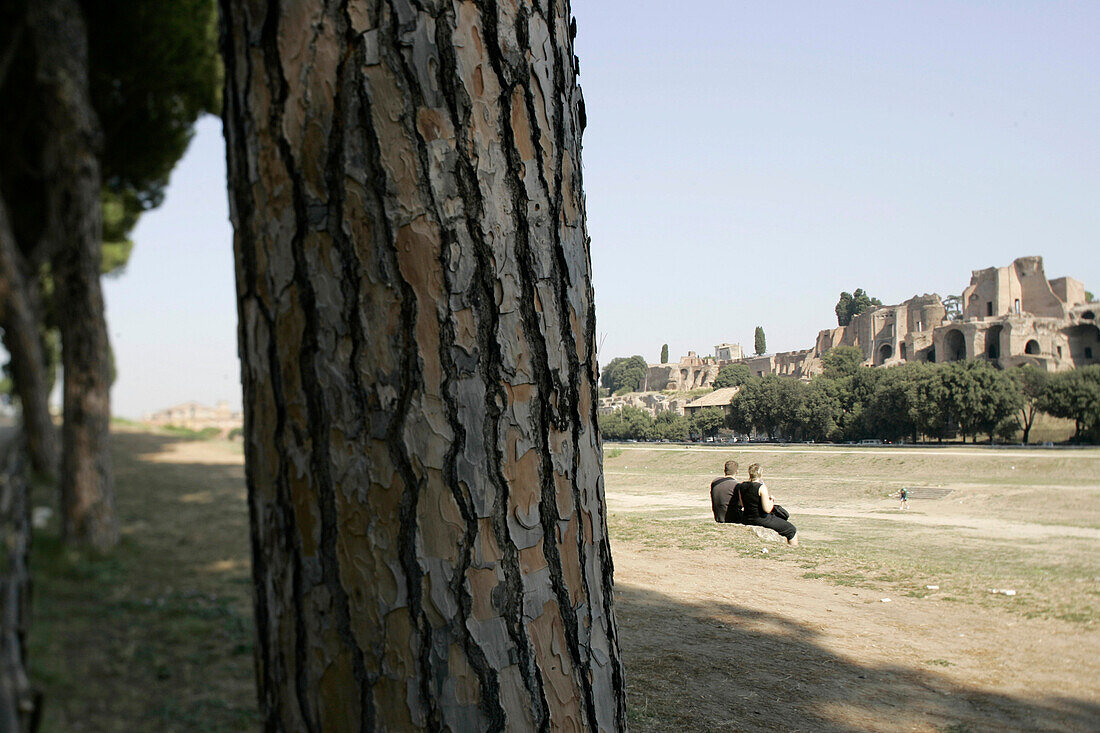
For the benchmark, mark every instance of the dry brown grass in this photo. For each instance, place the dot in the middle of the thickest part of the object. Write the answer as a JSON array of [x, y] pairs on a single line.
[[158, 635]]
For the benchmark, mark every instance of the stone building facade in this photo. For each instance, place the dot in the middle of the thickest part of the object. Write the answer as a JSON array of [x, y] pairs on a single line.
[[1010, 316], [195, 416], [691, 372]]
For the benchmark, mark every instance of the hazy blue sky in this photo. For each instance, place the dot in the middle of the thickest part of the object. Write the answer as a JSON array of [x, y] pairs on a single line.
[[743, 164]]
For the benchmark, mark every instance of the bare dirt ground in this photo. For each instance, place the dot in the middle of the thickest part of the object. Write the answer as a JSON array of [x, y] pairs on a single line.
[[718, 634]]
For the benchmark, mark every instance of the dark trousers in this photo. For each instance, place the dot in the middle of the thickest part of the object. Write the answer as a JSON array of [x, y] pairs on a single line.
[[782, 526]]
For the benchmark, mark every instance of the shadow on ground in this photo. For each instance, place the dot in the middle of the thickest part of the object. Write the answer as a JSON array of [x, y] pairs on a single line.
[[157, 635], [721, 667]]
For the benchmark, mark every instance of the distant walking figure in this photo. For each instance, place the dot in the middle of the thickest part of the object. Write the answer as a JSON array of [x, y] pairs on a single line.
[[723, 496], [759, 509], [904, 499]]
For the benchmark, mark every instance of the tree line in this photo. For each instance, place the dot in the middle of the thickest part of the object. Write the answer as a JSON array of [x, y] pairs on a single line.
[[910, 402], [634, 423], [97, 103]]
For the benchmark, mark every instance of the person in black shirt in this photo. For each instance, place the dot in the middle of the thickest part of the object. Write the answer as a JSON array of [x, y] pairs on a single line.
[[723, 496], [759, 509]]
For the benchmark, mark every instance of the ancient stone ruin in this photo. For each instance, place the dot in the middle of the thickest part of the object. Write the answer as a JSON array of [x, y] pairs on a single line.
[[1009, 316]]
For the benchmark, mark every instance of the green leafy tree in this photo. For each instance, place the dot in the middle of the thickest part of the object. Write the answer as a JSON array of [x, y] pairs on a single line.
[[1075, 395], [892, 411], [1031, 382], [664, 354], [820, 410], [980, 396], [732, 375], [930, 408], [759, 341], [770, 404], [154, 70], [624, 374], [1089, 297], [670, 426], [842, 361], [852, 304], [708, 421], [844, 309], [756, 406]]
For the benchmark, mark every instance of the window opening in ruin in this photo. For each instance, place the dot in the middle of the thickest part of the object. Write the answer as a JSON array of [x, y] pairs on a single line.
[[885, 352], [955, 343], [1032, 347], [989, 307], [931, 356], [993, 342], [1017, 305], [1089, 315], [901, 349], [1059, 352], [1088, 352]]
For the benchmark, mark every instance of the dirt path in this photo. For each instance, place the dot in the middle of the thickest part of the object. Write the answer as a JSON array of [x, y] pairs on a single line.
[[717, 641]]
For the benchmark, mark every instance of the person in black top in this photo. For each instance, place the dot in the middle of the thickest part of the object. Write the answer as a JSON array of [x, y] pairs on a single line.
[[759, 509], [723, 496]]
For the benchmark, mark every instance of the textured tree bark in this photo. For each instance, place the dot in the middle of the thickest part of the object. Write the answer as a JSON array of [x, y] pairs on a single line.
[[22, 338], [19, 703], [74, 239], [418, 362]]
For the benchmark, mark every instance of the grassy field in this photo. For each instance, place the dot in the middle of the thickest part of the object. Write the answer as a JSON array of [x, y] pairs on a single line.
[[157, 636], [729, 614], [997, 527]]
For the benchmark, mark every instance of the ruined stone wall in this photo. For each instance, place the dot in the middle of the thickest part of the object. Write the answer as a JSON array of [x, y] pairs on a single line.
[[992, 292], [1069, 290], [691, 372], [1038, 298]]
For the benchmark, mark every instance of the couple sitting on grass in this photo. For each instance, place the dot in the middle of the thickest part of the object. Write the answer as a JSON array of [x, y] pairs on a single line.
[[749, 502]]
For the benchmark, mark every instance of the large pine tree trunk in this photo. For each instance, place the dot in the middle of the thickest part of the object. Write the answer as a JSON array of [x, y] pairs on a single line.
[[22, 338], [418, 363], [74, 234]]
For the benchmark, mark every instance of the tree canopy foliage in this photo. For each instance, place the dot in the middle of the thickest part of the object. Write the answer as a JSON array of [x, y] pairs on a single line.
[[632, 423], [842, 361], [664, 354], [1075, 395], [759, 341], [851, 402], [624, 374], [852, 304], [732, 375], [154, 69]]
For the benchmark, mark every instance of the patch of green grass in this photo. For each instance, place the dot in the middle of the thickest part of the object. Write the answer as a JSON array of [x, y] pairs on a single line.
[[204, 434], [610, 453], [940, 663]]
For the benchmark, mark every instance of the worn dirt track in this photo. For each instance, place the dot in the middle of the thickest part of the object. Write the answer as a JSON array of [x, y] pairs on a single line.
[[718, 639]]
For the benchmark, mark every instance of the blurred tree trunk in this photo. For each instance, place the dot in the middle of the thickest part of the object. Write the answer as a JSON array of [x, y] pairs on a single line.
[[73, 239], [22, 338], [418, 362], [20, 704]]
